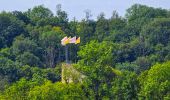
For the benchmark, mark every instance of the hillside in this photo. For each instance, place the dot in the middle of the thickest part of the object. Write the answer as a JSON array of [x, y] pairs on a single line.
[[121, 58]]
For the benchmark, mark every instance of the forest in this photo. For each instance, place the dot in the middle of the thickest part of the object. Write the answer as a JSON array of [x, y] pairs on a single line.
[[122, 58]]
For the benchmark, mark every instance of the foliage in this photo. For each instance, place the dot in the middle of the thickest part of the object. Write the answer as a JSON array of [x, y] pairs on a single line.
[[155, 84], [10, 27], [26, 90], [122, 58], [125, 87]]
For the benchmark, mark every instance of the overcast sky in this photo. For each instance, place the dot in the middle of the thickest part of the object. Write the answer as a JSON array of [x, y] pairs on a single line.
[[77, 7]]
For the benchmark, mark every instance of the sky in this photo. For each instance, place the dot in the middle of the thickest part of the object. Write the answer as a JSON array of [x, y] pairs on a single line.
[[76, 8]]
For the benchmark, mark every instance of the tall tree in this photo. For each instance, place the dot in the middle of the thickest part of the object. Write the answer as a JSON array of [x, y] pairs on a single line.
[[95, 63], [10, 27], [102, 27], [39, 13], [51, 45]]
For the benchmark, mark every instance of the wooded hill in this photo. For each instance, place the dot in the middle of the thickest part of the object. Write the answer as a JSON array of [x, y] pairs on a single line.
[[123, 58]]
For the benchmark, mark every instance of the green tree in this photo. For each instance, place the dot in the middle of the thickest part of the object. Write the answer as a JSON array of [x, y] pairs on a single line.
[[157, 31], [62, 18], [10, 27], [21, 16], [8, 68], [102, 27], [59, 91], [131, 67], [4, 81], [27, 52], [86, 31], [140, 15], [125, 87], [50, 42], [95, 63], [155, 84], [28, 58], [18, 90], [116, 23], [96, 53], [38, 13]]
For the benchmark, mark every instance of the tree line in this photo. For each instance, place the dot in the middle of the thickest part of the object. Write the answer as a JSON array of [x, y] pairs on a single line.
[[123, 58]]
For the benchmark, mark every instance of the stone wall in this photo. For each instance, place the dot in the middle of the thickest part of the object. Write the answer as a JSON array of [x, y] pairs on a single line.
[[70, 74]]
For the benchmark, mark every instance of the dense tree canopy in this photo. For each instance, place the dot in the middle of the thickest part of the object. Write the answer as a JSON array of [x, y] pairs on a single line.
[[121, 58]]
